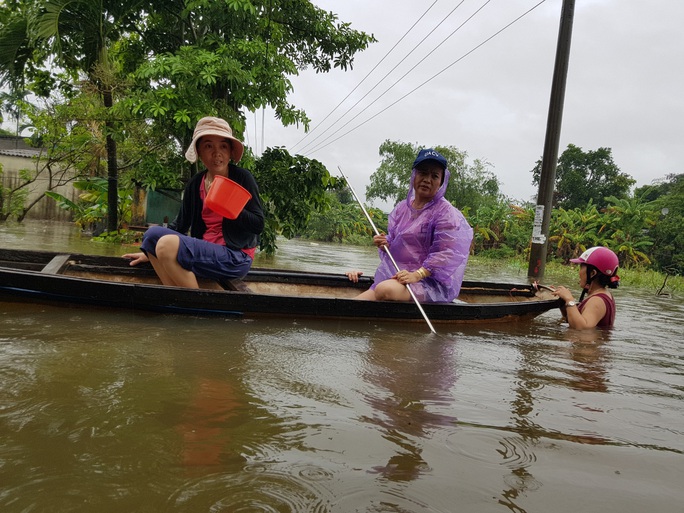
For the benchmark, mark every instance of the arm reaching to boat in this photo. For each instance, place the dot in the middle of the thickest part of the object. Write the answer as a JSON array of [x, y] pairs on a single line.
[[354, 275], [428, 237], [597, 273], [136, 258]]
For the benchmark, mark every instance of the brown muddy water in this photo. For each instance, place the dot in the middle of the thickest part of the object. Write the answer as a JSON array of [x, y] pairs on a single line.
[[110, 411]]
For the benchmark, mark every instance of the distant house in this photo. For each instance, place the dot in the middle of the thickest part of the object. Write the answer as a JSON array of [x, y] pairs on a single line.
[[153, 207], [16, 155]]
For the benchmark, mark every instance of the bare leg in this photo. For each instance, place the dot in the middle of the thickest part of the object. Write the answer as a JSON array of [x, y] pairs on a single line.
[[368, 295], [166, 264], [159, 269], [391, 290]]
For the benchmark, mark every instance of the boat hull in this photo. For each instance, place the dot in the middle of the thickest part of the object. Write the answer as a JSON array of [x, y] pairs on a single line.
[[111, 283]]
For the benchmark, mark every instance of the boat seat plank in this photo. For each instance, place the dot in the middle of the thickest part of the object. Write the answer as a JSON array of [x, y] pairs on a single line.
[[236, 285], [56, 265]]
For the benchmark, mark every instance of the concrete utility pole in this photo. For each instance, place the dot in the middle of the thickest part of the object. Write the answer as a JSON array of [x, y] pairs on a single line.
[[542, 215]]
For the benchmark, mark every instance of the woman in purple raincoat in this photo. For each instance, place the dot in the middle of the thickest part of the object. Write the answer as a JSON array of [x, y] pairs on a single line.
[[428, 237]]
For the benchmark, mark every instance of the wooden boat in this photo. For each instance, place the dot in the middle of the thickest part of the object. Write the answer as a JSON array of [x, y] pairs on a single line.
[[98, 281]]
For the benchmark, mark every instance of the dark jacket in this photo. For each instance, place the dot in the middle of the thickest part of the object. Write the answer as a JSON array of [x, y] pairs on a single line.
[[240, 233]]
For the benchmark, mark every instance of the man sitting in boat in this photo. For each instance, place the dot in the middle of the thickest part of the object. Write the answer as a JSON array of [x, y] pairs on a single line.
[[428, 237], [217, 248]]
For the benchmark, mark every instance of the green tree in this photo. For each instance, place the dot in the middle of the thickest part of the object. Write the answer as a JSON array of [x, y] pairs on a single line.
[[631, 221], [74, 36], [344, 222], [92, 204], [671, 184], [291, 189], [470, 186], [225, 58], [390, 181], [13, 103], [572, 231], [71, 148], [519, 230], [183, 60], [584, 177], [496, 228], [667, 201], [68, 151]]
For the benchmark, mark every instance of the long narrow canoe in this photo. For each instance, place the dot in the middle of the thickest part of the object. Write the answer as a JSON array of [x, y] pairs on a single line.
[[98, 281]]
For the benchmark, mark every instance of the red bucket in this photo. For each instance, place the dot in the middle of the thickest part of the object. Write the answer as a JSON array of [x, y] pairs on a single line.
[[227, 198]]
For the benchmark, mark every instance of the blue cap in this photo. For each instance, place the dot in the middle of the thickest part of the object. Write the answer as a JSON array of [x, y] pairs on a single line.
[[430, 154]]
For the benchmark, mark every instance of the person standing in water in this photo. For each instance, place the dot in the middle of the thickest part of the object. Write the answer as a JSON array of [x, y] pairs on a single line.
[[597, 274]]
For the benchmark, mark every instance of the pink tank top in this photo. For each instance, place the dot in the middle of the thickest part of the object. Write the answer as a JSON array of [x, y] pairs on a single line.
[[609, 317]]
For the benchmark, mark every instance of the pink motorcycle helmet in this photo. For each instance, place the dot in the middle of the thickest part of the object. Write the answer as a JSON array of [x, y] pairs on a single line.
[[605, 260]]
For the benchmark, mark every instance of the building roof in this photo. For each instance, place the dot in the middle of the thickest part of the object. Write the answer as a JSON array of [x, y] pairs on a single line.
[[26, 153]]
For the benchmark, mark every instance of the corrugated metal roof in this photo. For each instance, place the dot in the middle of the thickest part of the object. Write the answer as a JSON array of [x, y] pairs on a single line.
[[20, 153]]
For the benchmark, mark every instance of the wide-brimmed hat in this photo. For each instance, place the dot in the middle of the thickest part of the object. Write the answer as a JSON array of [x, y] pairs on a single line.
[[214, 126]]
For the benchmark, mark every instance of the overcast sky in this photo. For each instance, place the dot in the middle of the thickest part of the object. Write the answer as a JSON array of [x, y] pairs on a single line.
[[625, 87]]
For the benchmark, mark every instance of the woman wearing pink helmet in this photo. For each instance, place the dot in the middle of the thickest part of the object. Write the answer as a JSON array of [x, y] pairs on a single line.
[[598, 273]]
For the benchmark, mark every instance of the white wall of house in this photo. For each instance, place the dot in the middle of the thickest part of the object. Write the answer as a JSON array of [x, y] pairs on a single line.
[[16, 156]]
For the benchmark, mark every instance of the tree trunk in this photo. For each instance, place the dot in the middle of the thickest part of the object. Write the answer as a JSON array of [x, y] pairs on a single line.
[[112, 168]]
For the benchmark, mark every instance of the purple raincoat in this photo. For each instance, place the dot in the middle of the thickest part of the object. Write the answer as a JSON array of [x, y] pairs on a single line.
[[436, 237]]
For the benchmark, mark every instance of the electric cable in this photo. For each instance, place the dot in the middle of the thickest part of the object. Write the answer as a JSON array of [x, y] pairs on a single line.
[[364, 78], [409, 71], [391, 71], [322, 145]]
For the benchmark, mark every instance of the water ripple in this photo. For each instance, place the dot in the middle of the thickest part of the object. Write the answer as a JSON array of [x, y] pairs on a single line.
[[516, 452], [478, 445], [383, 497], [258, 488]]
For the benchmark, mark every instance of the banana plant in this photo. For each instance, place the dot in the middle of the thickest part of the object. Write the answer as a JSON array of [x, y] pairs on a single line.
[[92, 207]]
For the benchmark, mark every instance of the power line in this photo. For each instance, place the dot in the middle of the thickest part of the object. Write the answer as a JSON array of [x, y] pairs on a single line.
[[390, 72], [321, 146], [364, 78], [405, 74]]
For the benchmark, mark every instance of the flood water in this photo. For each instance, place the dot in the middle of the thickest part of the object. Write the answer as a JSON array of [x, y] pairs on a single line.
[[112, 411]]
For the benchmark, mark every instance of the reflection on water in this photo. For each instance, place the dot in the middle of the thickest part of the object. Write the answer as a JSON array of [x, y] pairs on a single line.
[[116, 411], [589, 353], [49, 236], [410, 396], [579, 365]]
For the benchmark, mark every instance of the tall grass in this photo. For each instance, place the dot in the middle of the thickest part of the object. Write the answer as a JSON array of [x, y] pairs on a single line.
[[652, 280]]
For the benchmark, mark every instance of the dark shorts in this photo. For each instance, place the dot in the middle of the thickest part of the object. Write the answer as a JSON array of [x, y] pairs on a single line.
[[204, 259]]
